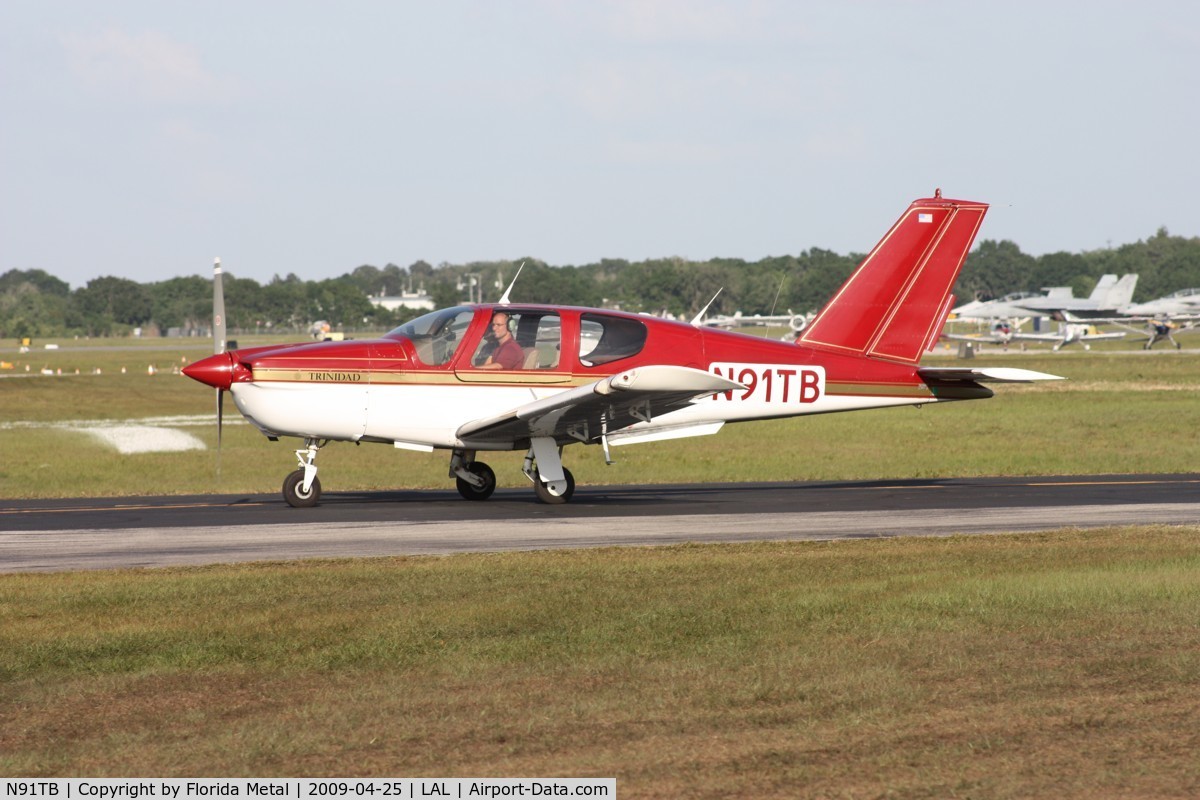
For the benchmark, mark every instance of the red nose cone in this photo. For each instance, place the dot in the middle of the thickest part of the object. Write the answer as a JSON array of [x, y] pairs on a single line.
[[215, 370]]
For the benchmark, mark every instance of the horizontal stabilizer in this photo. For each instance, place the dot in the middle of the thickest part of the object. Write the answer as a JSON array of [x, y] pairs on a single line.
[[985, 375]]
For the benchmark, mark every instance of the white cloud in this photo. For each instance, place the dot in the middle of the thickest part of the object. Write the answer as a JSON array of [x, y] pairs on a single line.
[[146, 66]]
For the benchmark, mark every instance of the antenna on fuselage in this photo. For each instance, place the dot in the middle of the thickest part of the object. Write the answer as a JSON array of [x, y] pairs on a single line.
[[696, 320], [775, 302], [504, 297]]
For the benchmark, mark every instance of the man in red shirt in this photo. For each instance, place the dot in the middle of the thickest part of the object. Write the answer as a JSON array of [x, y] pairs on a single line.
[[508, 354]]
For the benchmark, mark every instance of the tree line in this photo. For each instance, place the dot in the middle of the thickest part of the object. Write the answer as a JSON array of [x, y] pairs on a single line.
[[34, 303]]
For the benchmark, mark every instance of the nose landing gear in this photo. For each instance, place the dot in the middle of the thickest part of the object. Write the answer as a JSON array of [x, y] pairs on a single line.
[[301, 489]]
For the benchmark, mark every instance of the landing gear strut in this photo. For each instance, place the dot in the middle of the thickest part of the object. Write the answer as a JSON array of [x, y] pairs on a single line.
[[475, 479], [552, 482], [301, 489]]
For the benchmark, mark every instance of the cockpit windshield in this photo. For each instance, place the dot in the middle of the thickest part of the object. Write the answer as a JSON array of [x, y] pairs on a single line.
[[437, 335]]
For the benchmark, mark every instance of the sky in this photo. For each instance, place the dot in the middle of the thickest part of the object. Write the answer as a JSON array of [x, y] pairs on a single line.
[[143, 139]]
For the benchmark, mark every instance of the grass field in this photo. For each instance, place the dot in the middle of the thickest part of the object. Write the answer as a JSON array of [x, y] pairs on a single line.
[[1119, 412], [1062, 664], [1043, 665]]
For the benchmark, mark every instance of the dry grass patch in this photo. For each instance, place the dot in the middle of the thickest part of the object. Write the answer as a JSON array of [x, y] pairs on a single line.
[[1058, 664]]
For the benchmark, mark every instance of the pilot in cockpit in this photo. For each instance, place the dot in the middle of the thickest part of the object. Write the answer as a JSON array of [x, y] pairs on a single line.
[[508, 354]]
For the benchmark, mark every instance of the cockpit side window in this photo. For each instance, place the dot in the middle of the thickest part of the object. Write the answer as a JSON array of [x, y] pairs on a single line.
[[538, 334], [438, 335], [604, 339]]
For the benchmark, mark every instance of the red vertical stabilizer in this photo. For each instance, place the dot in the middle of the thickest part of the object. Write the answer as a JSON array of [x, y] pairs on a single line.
[[892, 304]]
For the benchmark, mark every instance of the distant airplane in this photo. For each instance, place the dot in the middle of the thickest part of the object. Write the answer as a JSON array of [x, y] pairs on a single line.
[[1185, 302], [1161, 331], [1070, 333], [1163, 317], [796, 322], [989, 310], [1003, 333], [1106, 299]]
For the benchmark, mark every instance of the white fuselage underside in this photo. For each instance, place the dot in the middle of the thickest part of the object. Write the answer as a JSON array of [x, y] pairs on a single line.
[[430, 415]]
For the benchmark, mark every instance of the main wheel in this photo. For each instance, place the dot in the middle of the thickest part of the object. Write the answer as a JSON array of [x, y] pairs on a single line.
[[293, 490], [546, 496], [483, 492]]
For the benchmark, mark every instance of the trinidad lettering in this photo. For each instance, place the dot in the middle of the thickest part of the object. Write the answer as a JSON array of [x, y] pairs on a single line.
[[339, 377]]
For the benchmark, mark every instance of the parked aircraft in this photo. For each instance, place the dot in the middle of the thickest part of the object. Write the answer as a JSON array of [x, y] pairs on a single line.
[[1155, 330], [1161, 331], [1004, 333], [594, 376], [1107, 298], [1184, 303], [1070, 333], [797, 322], [1004, 308]]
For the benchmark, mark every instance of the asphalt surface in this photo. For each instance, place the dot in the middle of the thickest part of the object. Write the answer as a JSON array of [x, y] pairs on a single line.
[[49, 535]]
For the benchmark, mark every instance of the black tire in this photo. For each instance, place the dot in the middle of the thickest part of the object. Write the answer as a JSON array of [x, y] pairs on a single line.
[[478, 492], [295, 496], [543, 493]]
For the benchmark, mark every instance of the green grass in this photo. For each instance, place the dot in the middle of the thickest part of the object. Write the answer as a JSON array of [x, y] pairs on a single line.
[[1042, 665], [1119, 413], [1060, 664]]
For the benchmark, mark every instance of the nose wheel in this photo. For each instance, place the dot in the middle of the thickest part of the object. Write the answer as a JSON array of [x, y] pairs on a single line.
[[301, 489], [296, 495]]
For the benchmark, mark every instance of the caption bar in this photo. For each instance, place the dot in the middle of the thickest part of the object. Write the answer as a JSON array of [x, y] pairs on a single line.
[[304, 788]]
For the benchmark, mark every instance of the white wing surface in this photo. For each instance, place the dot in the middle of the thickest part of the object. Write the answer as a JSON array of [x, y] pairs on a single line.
[[605, 406]]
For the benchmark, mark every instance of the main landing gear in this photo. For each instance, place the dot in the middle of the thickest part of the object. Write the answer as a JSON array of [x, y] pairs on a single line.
[[552, 482], [476, 480]]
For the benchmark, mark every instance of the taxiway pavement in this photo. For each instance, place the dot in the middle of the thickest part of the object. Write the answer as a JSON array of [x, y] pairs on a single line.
[[53, 535]]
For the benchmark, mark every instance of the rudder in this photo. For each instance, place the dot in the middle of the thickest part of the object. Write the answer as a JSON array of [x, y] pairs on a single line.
[[897, 299], [1121, 294]]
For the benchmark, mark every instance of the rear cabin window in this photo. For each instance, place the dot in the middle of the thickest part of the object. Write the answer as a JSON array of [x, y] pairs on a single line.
[[604, 339]]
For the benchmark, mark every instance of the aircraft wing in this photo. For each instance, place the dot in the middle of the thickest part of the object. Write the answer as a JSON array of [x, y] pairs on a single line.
[[1125, 319], [1039, 337], [1179, 324], [604, 406]]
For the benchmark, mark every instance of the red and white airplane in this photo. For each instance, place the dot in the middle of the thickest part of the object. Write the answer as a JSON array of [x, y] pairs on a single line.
[[453, 379]]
